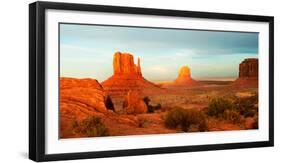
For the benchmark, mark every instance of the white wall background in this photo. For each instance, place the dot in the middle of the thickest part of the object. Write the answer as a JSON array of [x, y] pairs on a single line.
[[14, 79]]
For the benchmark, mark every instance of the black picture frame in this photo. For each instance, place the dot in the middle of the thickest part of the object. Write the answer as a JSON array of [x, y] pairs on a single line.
[[37, 80]]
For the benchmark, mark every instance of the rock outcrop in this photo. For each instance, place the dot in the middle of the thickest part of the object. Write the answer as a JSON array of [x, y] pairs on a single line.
[[133, 104], [83, 91], [127, 76], [79, 99], [248, 73], [184, 76]]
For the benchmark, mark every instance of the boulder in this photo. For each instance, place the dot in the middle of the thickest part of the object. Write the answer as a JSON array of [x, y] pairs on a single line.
[[133, 104]]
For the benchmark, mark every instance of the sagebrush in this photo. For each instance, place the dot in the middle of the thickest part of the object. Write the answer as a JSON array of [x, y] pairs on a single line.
[[187, 120], [91, 127]]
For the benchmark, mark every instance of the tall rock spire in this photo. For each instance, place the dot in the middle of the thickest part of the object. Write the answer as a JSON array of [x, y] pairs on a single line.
[[139, 67]]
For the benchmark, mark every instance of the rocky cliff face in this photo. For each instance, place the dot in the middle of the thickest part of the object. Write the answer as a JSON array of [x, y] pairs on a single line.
[[249, 68], [79, 99], [248, 73], [127, 76], [83, 91]]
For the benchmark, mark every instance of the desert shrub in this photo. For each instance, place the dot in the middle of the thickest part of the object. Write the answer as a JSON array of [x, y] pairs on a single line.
[[143, 122], [246, 106], [108, 103], [249, 113], [254, 99], [166, 108], [175, 117], [190, 120], [231, 115], [158, 106], [256, 123], [151, 108], [217, 106], [146, 100], [91, 127]]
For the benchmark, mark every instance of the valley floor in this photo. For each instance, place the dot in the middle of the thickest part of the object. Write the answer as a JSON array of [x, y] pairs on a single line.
[[199, 98]]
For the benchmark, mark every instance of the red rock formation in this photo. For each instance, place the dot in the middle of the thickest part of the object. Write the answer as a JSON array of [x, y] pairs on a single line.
[[83, 91], [126, 76], [79, 99], [184, 77], [123, 64], [133, 104], [249, 68], [248, 73]]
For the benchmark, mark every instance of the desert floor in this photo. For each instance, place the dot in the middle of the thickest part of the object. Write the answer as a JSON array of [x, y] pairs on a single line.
[[165, 113]]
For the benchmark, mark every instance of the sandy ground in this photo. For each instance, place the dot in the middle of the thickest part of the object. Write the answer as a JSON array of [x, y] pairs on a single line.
[[119, 124]]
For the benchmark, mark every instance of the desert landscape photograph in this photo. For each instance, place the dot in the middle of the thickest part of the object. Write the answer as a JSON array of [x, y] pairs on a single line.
[[124, 81]]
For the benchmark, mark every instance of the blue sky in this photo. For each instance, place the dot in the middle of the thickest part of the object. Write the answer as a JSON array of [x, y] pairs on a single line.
[[87, 51]]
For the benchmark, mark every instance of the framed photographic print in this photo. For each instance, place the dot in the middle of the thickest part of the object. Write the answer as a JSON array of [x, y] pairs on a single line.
[[111, 81]]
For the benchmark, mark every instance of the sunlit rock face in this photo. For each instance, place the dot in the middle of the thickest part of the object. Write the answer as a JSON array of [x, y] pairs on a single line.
[[127, 76], [184, 76], [79, 99], [123, 64], [248, 73], [133, 104], [87, 92]]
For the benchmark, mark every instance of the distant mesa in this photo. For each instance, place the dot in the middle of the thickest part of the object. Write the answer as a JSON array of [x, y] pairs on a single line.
[[184, 77], [127, 76], [248, 72], [249, 68]]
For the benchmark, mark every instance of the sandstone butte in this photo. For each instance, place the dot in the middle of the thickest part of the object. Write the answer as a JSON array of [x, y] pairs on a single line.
[[123, 64], [127, 76], [184, 77], [248, 73]]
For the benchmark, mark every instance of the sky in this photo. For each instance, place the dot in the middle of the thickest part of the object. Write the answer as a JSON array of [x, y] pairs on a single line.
[[86, 51]]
